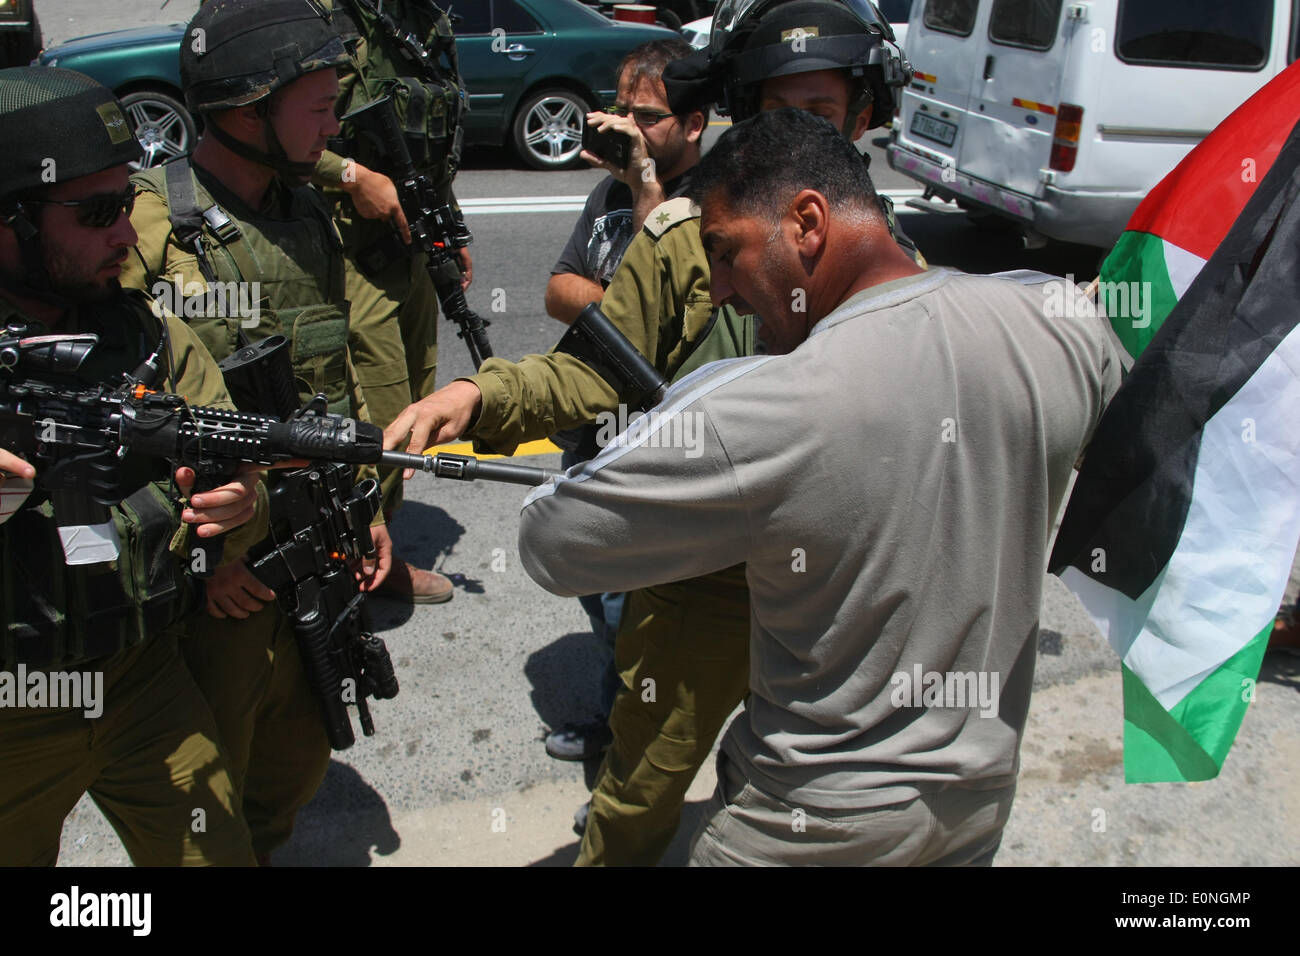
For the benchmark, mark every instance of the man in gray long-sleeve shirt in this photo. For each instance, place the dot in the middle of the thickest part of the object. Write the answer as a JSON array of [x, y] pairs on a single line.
[[889, 475]]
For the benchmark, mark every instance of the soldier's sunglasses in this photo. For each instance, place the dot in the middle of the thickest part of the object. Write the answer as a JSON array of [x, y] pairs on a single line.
[[641, 117], [99, 211]]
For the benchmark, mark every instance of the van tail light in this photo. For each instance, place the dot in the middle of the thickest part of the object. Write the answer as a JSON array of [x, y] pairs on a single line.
[[1065, 138]]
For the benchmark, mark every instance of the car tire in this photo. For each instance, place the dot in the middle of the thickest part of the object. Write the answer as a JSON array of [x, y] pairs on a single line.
[[547, 131], [162, 125], [667, 19]]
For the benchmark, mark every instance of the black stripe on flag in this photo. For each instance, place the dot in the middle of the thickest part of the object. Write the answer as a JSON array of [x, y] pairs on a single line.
[[1133, 492]]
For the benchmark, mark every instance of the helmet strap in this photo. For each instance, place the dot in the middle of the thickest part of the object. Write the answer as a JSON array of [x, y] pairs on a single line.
[[862, 101], [291, 172], [36, 280]]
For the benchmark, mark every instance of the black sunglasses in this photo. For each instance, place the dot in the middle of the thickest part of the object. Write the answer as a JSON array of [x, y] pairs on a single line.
[[99, 211], [641, 117]]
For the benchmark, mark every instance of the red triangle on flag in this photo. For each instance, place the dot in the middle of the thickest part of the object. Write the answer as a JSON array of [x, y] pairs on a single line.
[[1196, 204]]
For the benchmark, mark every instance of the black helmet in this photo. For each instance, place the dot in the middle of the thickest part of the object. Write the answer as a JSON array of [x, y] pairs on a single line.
[[237, 52], [58, 123], [753, 40]]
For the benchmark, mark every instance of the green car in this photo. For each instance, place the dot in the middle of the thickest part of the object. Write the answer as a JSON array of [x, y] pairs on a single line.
[[20, 33], [533, 68]]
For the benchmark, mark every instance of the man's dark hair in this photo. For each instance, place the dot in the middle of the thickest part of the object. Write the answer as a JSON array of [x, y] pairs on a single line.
[[760, 164], [648, 60]]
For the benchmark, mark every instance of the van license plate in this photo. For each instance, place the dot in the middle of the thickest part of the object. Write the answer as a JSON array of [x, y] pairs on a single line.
[[934, 129]]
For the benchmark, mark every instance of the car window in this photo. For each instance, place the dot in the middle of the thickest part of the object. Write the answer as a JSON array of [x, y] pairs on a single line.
[[951, 16], [896, 11], [512, 18], [1199, 33], [1027, 23], [470, 17]]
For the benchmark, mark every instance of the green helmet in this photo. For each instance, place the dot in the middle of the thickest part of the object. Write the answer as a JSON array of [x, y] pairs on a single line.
[[58, 123], [754, 40], [237, 52]]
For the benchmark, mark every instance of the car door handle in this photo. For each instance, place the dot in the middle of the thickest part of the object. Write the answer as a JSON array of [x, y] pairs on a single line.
[[988, 67], [517, 51]]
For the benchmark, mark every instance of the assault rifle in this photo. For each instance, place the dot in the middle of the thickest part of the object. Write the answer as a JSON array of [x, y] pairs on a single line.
[[96, 444], [436, 230], [320, 523]]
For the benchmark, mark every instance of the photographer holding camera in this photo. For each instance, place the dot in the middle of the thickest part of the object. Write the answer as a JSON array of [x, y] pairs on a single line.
[[648, 152]]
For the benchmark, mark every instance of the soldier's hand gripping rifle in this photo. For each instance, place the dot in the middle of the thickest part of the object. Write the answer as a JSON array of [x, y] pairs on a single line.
[[436, 229], [320, 524], [93, 445]]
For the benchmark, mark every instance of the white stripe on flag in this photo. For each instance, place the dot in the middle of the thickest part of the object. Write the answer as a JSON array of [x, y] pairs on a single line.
[[1182, 266], [1228, 572]]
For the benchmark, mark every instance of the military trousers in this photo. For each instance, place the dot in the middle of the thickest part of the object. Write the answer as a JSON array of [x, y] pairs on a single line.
[[270, 723], [393, 333], [682, 653], [151, 761]]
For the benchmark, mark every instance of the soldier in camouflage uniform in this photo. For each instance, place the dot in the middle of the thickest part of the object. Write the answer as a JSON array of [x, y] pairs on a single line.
[[147, 750], [394, 332], [265, 79], [690, 639]]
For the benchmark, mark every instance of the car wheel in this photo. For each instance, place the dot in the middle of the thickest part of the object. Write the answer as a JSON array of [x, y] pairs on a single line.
[[162, 125], [548, 129], [667, 19]]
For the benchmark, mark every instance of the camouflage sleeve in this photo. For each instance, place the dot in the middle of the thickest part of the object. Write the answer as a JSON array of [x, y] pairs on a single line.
[[540, 394], [157, 255], [329, 171]]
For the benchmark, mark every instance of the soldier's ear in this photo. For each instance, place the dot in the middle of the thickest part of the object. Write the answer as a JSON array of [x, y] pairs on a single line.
[[696, 122], [861, 123]]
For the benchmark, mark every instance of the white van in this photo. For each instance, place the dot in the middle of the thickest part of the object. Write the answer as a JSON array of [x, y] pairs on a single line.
[[1060, 116]]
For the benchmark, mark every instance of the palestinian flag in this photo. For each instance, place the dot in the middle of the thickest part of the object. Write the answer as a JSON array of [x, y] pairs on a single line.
[[1185, 217], [1181, 529]]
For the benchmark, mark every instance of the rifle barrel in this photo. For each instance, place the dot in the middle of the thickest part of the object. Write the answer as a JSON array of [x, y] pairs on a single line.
[[467, 468]]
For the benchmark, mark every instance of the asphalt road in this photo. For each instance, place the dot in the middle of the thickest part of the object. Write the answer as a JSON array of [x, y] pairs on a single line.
[[456, 773]]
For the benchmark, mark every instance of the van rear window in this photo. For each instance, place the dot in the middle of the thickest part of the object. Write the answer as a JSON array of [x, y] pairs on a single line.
[[1028, 23], [951, 16], [1204, 33]]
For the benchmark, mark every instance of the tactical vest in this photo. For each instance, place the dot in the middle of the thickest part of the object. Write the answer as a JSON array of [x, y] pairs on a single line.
[[427, 92], [294, 255], [56, 615]]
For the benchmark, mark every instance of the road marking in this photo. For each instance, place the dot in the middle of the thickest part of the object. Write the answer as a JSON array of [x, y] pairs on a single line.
[[542, 447], [521, 204], [502, 204]]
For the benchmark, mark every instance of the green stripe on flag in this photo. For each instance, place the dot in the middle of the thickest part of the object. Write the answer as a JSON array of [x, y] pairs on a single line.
[[1137, 259], [1191, 741]]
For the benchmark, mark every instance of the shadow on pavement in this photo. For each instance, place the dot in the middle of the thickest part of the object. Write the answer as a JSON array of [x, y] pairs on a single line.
[[1281, 667], [565, 678], [677, 854], [425, 536], [345, 822]]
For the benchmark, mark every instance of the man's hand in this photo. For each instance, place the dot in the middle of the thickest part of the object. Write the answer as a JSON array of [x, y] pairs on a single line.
[[11, 464], [637, 156], [373, 570], [224, 508], [437, 418], [17, 474], [640, 176], [375, 197], [466, 268], [232, 591]]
